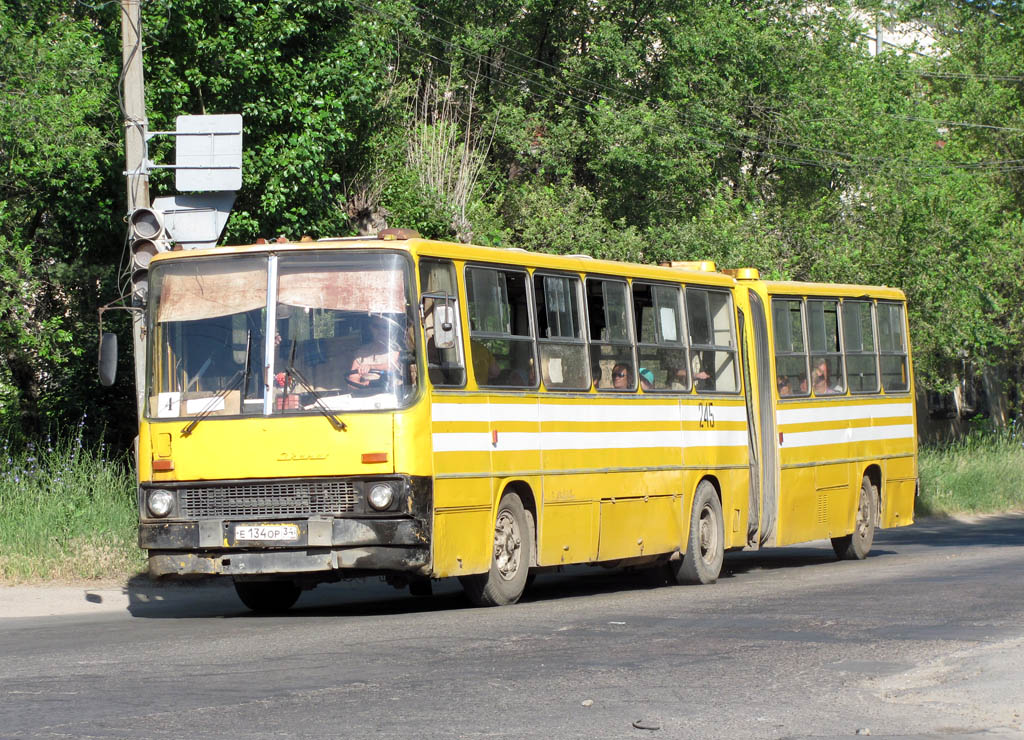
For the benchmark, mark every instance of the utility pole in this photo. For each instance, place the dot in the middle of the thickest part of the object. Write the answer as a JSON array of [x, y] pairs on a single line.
[[135, 128]]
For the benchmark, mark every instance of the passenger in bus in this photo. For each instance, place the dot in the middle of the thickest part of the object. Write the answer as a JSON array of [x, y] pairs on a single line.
[[374, 360], [785, 389], [646, 379], [681, 378], [819, 378], [622, 378]]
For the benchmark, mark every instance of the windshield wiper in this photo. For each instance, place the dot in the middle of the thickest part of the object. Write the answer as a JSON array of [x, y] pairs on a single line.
[[242, 375], [337, 423], [212, 405]]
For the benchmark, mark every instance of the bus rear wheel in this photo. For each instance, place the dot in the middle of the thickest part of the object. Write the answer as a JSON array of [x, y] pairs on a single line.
[[505, 581], [268, 597], [855, 546], [705, 547]]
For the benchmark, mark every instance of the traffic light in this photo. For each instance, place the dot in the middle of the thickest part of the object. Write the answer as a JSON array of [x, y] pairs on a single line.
[[148, 238]]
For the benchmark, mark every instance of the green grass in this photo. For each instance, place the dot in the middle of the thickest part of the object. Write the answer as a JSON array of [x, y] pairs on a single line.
[[67, 512], [981, 473]]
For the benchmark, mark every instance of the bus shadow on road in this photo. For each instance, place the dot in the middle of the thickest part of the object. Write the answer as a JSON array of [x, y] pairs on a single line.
[[371, 597]]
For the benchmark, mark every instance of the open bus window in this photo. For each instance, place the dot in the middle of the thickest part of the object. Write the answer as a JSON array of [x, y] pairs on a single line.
[[501, 340], [611, 345], [827, 376], [859, 347], [563, 351], [710, 321], [658, 315], [790, 348], [892, 347]]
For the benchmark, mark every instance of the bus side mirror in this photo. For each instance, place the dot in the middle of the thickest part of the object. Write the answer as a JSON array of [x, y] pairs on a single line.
[[108, 358], [444, 327]]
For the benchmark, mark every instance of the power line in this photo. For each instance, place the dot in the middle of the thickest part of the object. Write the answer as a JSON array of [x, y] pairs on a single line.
[[972, 76], [848, 159], [620, 91]]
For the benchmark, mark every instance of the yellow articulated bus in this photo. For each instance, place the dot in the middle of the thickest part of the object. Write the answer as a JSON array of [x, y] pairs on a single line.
[[419, 409]]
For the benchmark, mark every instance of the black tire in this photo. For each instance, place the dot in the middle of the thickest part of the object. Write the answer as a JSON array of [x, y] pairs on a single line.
[[857, 545], [505, 581], [705, 547], [268, 597]]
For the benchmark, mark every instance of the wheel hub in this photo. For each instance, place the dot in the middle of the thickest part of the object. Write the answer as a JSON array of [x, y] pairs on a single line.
[[707, 533], [507, 545]]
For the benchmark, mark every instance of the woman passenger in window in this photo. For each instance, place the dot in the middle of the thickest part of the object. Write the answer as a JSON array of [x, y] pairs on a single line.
[[622, 379]]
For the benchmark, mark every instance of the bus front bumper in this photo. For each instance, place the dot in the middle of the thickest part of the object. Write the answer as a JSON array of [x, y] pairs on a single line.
[[359, 546]]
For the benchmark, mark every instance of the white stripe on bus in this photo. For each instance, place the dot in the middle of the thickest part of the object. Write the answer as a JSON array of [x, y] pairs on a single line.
[[614, 413], [846, 436], [553, 441], [843, 412]]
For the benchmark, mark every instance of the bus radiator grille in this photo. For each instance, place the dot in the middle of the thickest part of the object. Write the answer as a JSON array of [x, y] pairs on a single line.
[[275, 499]]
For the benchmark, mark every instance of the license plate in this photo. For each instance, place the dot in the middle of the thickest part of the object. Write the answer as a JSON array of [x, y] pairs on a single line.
[[266, 533]]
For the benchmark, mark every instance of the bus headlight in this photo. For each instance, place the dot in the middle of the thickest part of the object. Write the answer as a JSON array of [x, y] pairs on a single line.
[[381, 496], [160, 502]]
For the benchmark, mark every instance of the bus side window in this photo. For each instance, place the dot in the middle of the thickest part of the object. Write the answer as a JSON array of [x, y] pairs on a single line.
[[658, 315], [501, 339], [710, 320], [790, 349], [892, 347], [563, 351], [445, 367], [826, 351], [859, 347], [611, 345]]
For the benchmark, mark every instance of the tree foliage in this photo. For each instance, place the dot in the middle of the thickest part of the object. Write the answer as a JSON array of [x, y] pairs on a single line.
[[760, 133]]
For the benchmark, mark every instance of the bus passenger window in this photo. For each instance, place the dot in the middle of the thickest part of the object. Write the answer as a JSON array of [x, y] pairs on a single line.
[[826, 350], [563, 351], [710, 321], [892, 347], [611, 344], [790, 351], [501, 339], [658, 316], [859, 347]]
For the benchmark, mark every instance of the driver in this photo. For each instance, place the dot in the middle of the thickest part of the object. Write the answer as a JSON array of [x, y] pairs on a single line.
[[375, 358]]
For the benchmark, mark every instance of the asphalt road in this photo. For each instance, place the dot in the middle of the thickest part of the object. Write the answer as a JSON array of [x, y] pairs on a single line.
[[923, 639]]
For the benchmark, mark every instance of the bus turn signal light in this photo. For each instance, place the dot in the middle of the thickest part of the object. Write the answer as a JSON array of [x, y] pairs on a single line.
[[374, 457]]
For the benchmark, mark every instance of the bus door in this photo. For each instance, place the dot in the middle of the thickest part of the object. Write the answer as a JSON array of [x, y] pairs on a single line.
[[753, 454], [769, 468]]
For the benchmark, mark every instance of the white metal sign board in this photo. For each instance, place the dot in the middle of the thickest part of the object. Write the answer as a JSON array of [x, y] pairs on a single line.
[[208, 152], [195, 221]]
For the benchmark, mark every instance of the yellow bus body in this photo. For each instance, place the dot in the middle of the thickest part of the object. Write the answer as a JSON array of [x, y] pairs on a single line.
[[605, 477]]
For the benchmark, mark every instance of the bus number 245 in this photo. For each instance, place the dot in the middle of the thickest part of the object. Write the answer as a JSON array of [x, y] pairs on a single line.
[[707, 414]]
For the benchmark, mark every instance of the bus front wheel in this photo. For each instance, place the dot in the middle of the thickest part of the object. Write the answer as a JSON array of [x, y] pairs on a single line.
[[268, 597], [505, 581], [705, 548], [855, 546]]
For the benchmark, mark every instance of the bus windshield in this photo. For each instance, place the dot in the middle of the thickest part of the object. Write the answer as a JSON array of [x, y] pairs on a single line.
[[295, 333]]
